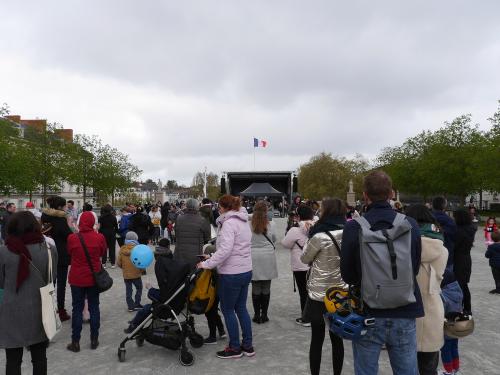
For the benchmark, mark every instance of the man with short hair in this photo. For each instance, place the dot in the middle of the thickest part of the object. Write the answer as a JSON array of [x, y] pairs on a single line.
[[393, 327], [448, 226], [71, 210], [192, 231]]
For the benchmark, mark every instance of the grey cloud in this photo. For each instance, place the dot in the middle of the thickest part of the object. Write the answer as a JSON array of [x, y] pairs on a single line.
[[344, 77]]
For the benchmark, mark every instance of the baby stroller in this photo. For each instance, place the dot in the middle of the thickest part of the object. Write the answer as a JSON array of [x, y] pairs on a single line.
[[170, 322]]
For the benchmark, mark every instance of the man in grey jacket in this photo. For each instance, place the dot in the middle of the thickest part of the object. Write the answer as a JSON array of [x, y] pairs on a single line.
[[192, 231]]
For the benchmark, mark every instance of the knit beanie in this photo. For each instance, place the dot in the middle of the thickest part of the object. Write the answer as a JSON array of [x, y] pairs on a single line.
[[131, 236]]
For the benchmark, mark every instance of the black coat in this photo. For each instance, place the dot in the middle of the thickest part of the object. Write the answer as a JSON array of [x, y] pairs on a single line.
[[108, 225], [141, 224], [59, 233], [462, 264]]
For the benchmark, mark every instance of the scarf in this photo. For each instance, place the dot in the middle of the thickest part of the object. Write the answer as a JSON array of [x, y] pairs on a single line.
[[134, 242], [430, 231], [327, 225], [17, 245]]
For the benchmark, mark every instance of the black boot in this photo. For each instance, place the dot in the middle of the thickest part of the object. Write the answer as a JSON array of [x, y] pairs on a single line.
[[257, 301], [264, 298]]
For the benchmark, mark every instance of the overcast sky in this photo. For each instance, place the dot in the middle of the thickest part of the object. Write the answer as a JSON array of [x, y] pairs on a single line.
[[180, 85]]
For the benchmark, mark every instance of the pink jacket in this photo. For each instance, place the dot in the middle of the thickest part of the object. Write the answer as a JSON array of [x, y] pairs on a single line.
[[234, 251], [296, 235]]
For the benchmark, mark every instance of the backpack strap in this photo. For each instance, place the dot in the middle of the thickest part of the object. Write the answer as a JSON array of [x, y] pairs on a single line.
[[271, 242], [333, 240], [392, 254], [298, 244]]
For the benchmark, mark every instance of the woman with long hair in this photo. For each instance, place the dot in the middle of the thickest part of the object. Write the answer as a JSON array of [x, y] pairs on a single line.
[[264, 267], [55, 219], [295, 240], [23, 271], [233, 259], [322, 253]]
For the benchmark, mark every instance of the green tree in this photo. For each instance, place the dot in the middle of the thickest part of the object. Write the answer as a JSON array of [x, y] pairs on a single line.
[[325, 175], [44, 155], [213, 185], [446, 161]]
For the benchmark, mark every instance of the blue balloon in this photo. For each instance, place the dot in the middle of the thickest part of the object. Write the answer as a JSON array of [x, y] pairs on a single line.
[[142, 256]]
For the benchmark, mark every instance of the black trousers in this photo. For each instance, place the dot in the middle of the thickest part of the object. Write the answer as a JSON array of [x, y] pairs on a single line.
[[38, 359], [496, 276], [62, 277], [427, 363], [301, 282], [467, 297], [214, 320], [317, 338], [121, 241], [111, 252]]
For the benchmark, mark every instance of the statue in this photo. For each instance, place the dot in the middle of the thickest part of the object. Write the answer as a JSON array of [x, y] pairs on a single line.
[[351, 195]]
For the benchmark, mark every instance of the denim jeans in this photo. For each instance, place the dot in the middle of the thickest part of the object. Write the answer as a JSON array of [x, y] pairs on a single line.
[[400, 337], [131, 303], [79, 294], [233, 292]]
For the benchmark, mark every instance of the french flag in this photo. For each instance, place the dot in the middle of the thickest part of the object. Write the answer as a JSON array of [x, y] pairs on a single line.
[[259, 143]]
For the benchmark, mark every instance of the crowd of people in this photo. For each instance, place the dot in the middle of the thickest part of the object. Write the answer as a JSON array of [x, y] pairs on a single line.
[[330, 247]]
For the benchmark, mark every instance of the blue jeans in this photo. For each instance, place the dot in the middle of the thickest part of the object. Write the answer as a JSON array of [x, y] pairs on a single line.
[[131, 303], [400, 337], [78, 295], [233, 292]]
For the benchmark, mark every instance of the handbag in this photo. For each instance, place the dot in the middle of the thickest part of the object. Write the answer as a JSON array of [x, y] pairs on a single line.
[[102, 279], [50, 318]]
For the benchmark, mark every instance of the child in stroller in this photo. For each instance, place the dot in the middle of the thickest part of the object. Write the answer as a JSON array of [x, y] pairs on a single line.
[[159, 323]]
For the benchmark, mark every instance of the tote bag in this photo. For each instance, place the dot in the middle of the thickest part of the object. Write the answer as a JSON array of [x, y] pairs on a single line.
[[50, 318]]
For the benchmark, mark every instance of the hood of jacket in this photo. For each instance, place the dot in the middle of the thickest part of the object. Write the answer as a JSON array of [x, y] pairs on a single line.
[[432, 248], [127, 248], [87, 222], [242, 215], [54, 212]]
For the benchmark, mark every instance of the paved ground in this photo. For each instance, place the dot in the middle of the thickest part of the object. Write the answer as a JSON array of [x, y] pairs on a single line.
[[281, 346]]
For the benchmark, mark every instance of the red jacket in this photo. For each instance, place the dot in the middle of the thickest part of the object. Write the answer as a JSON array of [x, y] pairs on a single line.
[[80, 274]]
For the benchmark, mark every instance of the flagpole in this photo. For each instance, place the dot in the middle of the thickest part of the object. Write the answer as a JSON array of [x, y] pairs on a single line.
[[254, 157]]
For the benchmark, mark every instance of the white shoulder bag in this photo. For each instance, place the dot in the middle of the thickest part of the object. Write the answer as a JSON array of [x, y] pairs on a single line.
[[50, 318]]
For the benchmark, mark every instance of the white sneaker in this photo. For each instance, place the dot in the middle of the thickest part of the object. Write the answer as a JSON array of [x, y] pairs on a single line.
[[113, 266], [303, 323]]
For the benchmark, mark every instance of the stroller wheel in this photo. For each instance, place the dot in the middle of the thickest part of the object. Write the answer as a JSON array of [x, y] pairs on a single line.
[[139, 341], [121, 354], [196, 340], [186, 358]]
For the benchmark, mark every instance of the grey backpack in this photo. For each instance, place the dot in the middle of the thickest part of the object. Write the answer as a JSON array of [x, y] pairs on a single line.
[[387, 278]]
